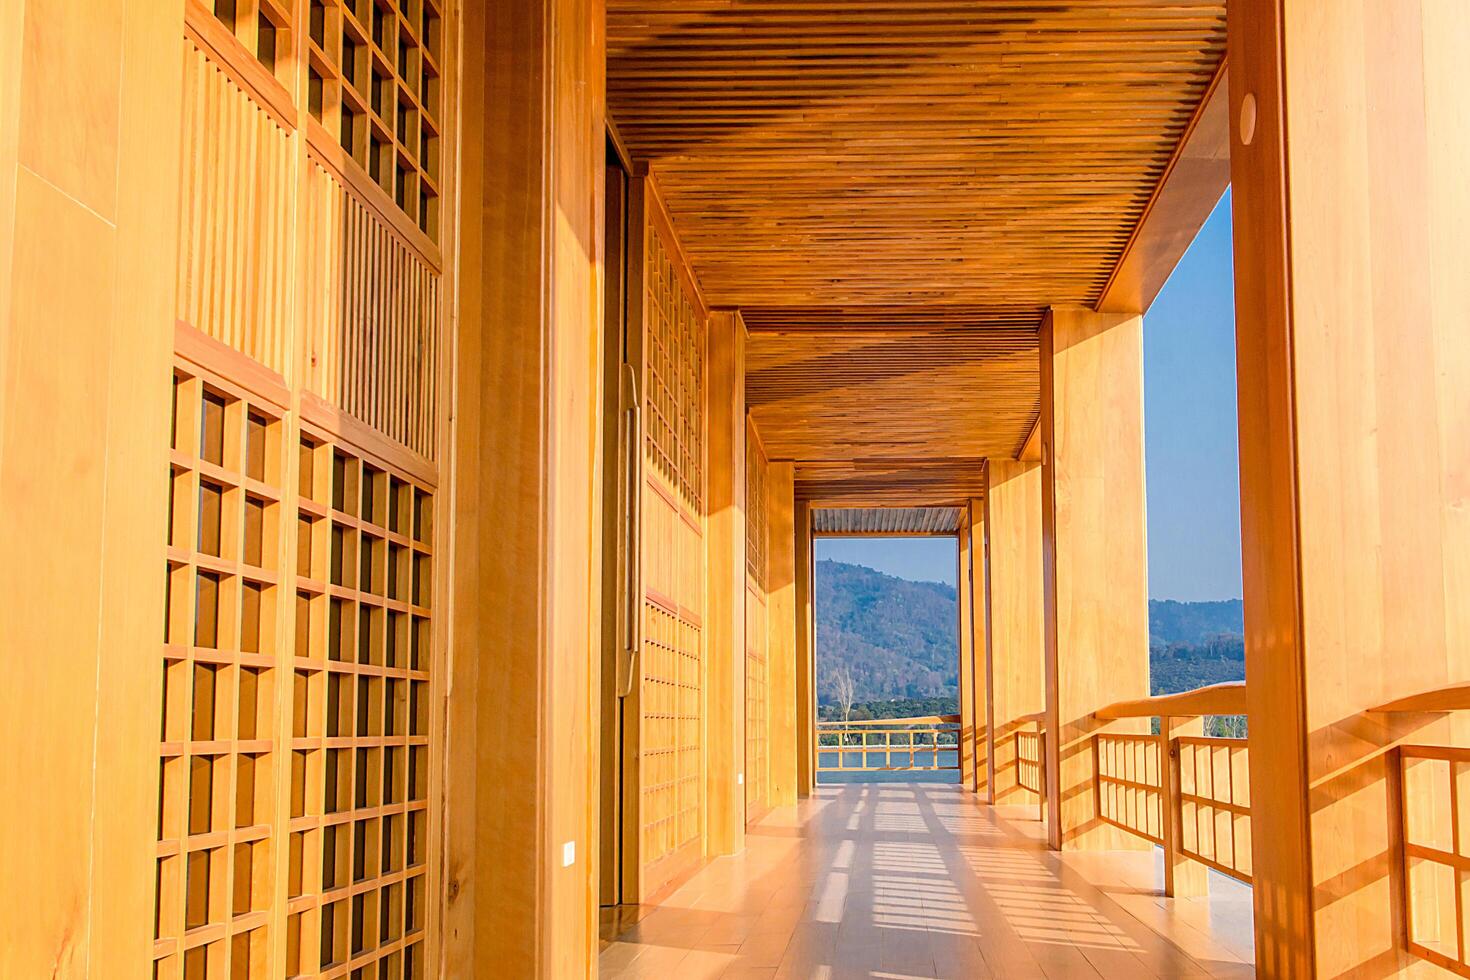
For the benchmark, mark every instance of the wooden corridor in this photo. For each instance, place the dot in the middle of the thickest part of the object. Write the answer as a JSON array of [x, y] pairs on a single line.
[[900, 880]]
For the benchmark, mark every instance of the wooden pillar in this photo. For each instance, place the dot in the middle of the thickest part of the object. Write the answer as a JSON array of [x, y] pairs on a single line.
[[979, 691], [806, 697], [1094, 559], [965, 641], [521, 779], [781, 654], [1349, 134], [1014, 668], [725, 633], [89, 164]]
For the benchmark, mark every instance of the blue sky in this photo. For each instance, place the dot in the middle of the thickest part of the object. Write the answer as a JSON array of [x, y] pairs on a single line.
[[1190, 441]]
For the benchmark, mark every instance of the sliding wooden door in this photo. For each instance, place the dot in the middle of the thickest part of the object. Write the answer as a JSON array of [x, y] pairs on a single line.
[[664, 707]]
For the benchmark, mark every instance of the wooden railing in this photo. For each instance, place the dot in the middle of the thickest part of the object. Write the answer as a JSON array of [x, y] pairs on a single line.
[[1031, 762], [1187, 793], [1430, 813], [924, 744]]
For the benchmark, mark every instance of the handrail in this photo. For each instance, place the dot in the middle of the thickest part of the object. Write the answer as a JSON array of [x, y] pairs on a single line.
[[900, 722], [1451, 697], [1216, 699]]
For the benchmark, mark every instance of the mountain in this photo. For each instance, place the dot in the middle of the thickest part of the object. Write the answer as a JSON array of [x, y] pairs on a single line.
[[1194, 622], [898, 638]]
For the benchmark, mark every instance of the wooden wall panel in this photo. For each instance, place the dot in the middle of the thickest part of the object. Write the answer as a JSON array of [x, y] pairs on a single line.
[[236, 200], [89, 164], [1016, 659], [1093, 540], [1349, 135]]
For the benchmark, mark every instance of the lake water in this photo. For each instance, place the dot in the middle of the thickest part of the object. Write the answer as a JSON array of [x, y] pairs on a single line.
[[899, 757]]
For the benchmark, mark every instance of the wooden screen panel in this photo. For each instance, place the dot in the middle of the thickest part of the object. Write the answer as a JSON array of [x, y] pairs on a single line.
[[218, 754], [1130, 784], [373, 314], [674, 354], [671, 787], [360, 747], [236, 195], [374, 82]]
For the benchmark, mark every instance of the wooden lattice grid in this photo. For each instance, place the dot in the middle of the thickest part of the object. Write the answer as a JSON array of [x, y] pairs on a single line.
[[374, 70], [265, 28], [674, 370], [217, 752], [360, 756]]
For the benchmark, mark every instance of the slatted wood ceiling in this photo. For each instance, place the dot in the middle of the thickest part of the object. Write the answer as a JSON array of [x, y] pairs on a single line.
[[886, 520], [938, 171]]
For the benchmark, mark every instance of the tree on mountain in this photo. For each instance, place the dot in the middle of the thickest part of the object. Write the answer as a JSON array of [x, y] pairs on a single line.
[[844, 688]]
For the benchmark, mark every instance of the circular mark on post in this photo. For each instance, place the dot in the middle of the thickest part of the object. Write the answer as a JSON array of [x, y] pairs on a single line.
[[1247, 119]]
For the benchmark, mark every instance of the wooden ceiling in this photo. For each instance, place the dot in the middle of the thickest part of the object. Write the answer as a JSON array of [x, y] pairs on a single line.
[[878, 521], [893, 191]]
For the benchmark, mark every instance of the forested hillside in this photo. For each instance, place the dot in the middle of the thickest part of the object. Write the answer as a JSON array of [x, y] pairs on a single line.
[[897, 638]]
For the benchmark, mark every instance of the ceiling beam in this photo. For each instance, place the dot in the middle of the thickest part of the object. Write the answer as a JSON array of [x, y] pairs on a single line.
[[1194, 181]]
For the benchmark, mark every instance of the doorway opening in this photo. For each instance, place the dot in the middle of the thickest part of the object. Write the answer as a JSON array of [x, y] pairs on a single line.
[[887, 655]]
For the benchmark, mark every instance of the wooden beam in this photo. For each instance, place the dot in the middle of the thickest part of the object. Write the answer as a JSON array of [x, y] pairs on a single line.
[[1350, 213], [725, 765], [1216, 699], [1192, 184], [1094, 559]]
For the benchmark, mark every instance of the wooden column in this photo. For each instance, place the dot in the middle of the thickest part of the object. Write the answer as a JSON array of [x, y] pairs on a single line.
[[977, 688], [1014, 674], [89, 164], [965, 642], [1349, 135], [521, 781], [725, 629], [1094, 559], [785, 666], [806, 697]]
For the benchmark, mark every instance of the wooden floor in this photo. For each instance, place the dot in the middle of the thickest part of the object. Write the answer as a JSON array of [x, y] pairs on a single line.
[[903, 880]]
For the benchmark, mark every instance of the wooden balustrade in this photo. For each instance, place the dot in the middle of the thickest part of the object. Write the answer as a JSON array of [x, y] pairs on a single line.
[[1031, 762], [1187, 793], [921, 744], [1431, 781]]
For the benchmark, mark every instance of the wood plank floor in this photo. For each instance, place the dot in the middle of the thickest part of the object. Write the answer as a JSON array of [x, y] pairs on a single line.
[[906, 880]]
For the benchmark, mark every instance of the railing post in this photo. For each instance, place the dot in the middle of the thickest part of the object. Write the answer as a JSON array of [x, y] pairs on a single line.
[[1183, 877]]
